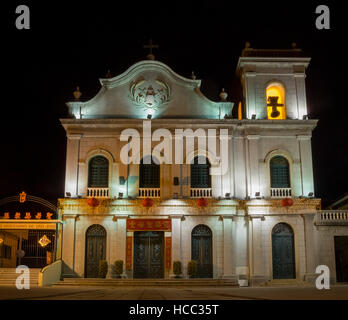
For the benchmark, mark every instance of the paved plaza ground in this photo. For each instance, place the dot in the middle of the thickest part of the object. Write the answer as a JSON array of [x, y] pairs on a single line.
[[176, 293]]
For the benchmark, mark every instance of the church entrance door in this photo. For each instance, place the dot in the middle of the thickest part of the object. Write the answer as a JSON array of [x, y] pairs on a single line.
[[283, 252], [95, 249], [202, 251], [148, 254], [341, 257]]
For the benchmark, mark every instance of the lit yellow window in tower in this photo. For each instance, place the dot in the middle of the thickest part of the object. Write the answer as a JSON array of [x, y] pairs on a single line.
[[275, 95]]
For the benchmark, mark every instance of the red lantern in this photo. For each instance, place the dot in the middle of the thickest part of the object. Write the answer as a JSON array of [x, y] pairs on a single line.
[[93, 202], [147, 202], [287, 202], [202, 202]]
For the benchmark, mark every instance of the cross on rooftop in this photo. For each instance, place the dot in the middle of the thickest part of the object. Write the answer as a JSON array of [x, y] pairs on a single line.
[[150, 46]]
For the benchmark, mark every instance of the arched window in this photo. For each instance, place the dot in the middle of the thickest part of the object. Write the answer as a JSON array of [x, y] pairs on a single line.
[[200, 173], [275, 98], [279, 171], [98, 172], [149, 174]]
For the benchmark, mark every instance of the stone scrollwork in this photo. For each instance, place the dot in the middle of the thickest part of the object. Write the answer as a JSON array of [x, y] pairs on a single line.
[[149, 94]]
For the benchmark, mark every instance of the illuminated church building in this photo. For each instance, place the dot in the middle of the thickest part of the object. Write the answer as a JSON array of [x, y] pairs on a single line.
[[259, 220]]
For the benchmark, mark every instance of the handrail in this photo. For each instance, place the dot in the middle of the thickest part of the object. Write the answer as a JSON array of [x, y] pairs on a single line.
[[50, 274]]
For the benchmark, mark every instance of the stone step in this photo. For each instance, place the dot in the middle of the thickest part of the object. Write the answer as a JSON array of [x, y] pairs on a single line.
[[8, 276], [144, 282]]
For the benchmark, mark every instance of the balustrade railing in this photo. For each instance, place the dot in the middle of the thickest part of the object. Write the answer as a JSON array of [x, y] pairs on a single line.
[[149, 192], [280, 192], [98, 192], [201, 192], [332, 217]]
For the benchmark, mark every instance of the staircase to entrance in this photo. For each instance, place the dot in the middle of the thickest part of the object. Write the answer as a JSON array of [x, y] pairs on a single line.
[[8, 276], [146, 282]]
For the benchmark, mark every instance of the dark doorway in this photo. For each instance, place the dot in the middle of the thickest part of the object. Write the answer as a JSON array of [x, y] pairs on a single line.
[[283, 252], [148, 254], [202, 251], [95, 249], [341, 257]]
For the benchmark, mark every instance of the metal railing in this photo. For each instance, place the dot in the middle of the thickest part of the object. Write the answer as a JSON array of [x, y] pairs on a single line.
[[332, 217], [98, 192], [281, 192], [201, 192], [149, 192]]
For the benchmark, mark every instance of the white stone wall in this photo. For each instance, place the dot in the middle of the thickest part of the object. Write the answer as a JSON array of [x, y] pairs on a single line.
[[261, 246], [325, 246]]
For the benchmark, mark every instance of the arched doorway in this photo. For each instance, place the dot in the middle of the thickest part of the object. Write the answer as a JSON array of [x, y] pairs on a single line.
[[283, 252], [95, 249], [201, 251]]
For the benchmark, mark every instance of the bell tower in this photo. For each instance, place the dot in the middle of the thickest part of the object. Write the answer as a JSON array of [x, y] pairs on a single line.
[[273, 83]]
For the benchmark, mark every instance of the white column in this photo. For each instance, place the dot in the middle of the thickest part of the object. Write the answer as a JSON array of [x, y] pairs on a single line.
[[250, 93], [228, 247], [240, 238], [68, 245], [257, 272], [83, 172], [71, 171], [239, 168], [310, 247], [306, 164], [176, 238], [121, 234], [301, 97], [253, 141]]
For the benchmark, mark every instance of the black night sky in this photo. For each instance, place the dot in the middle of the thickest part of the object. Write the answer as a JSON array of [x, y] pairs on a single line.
[[75, 43]]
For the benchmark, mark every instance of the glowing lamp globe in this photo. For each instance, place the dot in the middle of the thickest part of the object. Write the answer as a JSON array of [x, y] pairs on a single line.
[[287, 202], [202, 202], [147, 202], [93, 202]]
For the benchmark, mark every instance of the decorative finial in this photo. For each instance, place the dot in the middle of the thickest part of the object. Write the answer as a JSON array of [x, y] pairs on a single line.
[[77, 93], [223, 95], [294, 45], [108, 74], [150, 46], [193, 76], [247, 45]]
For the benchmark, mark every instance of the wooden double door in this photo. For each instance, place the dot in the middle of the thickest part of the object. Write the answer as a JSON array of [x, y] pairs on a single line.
[[283, 252], [202, 251], [95, 249], [148, 254]]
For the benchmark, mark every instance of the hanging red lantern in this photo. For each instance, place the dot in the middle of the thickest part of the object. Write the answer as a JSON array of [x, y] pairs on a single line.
[[202, 202], [287, 202], [93, 202], [147, 202]]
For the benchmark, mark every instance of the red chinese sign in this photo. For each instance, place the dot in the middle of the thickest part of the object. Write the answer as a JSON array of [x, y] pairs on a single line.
[[149, 225], [129, 253], [28, 216], [168, 248]]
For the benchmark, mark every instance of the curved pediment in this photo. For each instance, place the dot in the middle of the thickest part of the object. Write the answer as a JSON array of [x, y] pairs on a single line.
[[150, 88]]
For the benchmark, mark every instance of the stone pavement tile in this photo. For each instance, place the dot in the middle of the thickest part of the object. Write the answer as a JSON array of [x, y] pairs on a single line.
[[174, 293]]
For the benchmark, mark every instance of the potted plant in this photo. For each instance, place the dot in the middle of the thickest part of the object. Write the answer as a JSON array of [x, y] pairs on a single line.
[[177, 268], [118, 268], [192, 268], [102, 268]]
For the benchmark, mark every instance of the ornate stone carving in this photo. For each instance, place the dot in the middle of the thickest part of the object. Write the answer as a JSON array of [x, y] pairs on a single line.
[[149, 94]]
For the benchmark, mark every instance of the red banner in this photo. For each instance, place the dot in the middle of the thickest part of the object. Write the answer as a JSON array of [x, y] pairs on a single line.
[[149, 225], [168, 247], [129, 253]]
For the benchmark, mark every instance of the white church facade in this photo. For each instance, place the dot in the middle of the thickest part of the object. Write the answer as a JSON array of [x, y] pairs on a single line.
[[259, 219]]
